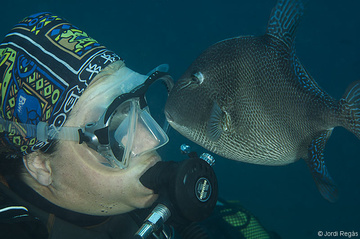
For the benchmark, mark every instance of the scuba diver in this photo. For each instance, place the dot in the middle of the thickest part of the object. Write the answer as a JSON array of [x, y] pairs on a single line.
[[78, 148]]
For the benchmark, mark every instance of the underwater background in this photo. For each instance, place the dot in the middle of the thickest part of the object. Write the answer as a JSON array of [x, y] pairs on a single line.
[[147, 33]]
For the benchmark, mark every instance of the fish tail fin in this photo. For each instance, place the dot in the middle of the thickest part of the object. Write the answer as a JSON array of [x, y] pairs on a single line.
[[350, 108]]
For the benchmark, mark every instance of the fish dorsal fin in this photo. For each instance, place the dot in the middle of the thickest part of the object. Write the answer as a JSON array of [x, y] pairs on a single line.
[[284, 20], [308, 83]]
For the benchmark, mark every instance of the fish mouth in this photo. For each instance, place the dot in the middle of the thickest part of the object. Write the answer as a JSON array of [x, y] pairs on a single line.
[[168, 116]]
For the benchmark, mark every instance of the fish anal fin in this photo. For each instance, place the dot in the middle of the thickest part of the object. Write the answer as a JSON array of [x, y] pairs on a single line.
[[318, 169], [284, 20]]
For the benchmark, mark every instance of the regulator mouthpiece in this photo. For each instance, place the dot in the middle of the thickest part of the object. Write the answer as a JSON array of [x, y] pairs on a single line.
[[187, 191]]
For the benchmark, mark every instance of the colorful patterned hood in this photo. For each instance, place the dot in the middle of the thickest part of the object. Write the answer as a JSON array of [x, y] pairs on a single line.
[[45, 65]]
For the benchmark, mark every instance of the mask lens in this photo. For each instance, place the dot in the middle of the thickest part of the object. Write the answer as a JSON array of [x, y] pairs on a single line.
[[122, 123], [134, 132], [148, 135]]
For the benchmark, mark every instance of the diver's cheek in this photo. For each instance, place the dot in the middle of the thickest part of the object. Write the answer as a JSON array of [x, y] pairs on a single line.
[[136, 195]]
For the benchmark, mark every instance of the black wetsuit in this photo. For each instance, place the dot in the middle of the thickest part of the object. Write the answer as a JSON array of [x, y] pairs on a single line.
[[25, 214], [21, 219]]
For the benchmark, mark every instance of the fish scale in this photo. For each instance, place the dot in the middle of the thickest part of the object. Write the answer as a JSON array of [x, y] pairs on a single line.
[[250, 99]]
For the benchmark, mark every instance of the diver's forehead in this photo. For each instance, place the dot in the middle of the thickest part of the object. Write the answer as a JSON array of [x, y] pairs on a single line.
[[98, 96]]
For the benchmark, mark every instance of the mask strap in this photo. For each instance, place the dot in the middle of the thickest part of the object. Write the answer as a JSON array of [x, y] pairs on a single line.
[[42, 131]]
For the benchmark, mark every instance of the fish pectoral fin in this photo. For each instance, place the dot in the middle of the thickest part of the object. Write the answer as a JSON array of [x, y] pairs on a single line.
[[316, 164], [214, 129]]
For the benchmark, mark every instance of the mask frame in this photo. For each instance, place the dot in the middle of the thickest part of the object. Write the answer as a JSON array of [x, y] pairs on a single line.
[[96, 135]]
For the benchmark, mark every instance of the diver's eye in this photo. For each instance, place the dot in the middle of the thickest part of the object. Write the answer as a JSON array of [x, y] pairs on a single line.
[[197, 78]]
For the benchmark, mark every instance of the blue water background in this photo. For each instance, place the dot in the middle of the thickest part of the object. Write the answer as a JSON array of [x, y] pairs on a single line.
[[147, 33]]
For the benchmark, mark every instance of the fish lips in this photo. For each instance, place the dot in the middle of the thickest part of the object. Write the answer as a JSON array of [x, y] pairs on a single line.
[[168, 116]]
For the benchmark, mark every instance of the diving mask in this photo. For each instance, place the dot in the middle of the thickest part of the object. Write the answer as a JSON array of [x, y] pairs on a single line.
[[126, 129], [128, 132]]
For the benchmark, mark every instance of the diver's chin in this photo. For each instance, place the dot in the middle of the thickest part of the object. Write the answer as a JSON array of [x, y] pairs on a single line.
[[151, 201]]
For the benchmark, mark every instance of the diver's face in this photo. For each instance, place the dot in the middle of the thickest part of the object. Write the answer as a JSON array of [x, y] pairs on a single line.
[[80, 182]]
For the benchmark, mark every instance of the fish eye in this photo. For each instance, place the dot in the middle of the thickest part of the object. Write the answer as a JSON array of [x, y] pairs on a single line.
[[197, 78]]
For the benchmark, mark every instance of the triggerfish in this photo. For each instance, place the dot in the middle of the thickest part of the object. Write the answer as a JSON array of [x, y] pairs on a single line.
[[250, 99]]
